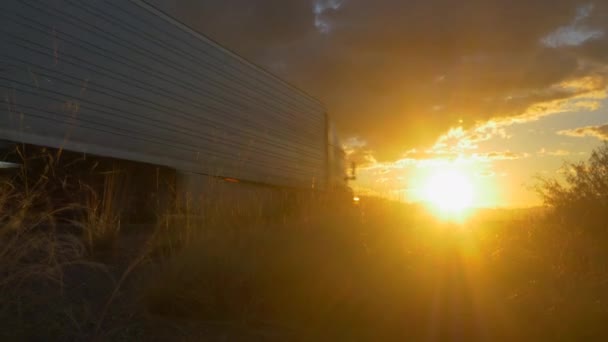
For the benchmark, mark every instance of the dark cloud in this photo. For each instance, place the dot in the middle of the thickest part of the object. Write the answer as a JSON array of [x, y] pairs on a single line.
[[246, 25], [400, 73], [600, 132]]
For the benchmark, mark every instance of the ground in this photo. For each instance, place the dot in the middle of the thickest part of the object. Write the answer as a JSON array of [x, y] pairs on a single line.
[[375, 270]]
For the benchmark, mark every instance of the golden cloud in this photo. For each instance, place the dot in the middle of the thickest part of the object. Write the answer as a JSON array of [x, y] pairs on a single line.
[[600, 132], [556, 153]]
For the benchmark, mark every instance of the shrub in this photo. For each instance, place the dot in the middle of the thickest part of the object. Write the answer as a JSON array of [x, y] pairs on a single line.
[[581, 197]]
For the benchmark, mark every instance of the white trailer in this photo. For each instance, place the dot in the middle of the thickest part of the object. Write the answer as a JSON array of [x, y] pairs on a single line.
[[122, 79]]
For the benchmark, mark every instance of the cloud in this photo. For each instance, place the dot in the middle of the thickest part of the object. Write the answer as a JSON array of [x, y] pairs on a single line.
[[486, 174], [576, 33], [364, 158], [400, 74], [575, 94], [320, 9], [500, 155], [247, 26], [600, 132], [357, 151], [557, 153]]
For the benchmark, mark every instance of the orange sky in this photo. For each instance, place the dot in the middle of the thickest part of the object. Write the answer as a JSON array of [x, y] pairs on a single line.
[[502, 162]]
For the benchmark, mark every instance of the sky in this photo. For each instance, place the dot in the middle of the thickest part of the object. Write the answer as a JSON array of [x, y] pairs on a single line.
[[503, 90]]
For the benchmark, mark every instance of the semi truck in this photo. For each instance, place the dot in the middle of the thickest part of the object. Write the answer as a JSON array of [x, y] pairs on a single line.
[[123, 80]]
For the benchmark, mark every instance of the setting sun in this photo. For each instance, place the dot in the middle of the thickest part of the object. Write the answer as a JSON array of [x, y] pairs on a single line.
[[449, 190]]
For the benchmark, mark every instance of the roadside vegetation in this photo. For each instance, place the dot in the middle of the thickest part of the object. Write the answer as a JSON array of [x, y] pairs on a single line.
[[332, 270]]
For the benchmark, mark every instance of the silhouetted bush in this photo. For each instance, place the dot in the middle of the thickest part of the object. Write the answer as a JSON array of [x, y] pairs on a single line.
[[581, 197]]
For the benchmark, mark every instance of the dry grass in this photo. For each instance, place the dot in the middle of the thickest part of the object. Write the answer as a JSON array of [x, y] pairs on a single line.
[[386, 271], [38, 248], [100, 221], [327, 270]]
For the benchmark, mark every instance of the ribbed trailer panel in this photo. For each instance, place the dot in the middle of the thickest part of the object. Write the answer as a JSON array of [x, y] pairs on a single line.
[[121, 79]]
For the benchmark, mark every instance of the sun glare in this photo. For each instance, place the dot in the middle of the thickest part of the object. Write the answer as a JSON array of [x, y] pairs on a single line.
[[449, 190]]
